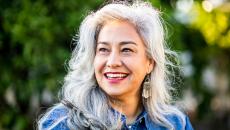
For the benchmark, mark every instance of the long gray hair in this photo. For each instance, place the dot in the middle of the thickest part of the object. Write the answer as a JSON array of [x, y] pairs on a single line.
[[90, 107]]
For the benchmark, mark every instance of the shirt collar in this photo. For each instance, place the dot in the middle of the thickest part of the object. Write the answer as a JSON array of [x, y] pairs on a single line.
[[143, 116]]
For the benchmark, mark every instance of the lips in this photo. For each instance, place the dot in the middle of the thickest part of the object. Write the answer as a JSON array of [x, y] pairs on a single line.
[[115, 77]]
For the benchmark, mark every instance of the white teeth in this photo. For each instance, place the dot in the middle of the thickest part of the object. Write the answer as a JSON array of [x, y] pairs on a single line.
[[116, 75]]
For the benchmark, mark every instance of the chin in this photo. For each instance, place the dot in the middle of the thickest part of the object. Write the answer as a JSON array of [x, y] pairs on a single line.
[[113, 93]]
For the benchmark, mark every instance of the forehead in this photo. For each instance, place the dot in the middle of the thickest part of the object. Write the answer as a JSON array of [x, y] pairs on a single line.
[[119, 31]]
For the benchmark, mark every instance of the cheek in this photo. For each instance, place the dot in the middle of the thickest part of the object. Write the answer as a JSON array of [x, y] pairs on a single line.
[[96, 69], [98, 65], [137, 63]]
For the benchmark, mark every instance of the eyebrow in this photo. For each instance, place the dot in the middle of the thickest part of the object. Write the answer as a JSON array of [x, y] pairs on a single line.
[[121, 43]]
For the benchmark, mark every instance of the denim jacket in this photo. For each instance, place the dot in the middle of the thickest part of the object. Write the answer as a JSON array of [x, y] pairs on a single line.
[[56, 119]]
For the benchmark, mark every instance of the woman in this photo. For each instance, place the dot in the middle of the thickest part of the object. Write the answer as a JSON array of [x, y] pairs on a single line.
[[117, 75]]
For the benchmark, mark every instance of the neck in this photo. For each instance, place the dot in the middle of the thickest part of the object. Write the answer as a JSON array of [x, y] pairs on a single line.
[[130, 107]]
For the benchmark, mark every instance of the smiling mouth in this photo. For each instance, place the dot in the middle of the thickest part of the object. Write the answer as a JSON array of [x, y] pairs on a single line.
[[116, 75]]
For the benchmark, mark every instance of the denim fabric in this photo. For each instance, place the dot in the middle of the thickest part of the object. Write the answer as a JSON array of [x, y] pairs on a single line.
[[57, 120]]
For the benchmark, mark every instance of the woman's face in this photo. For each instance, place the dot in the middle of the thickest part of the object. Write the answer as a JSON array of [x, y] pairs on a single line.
[[120, 62]]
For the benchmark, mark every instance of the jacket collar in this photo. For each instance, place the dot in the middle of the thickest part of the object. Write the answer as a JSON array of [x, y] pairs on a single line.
[[143, 116]]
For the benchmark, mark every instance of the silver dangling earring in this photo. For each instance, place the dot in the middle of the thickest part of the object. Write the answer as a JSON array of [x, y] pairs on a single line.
[[146, 93]]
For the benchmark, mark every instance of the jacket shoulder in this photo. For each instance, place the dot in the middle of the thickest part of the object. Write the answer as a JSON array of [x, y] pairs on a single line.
[[180, 122], [55, 119]]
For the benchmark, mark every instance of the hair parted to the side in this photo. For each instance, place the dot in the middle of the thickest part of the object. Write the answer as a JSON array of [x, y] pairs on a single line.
[[80, 86]]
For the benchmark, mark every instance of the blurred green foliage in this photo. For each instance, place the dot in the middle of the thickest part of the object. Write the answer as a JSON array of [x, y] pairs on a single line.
[[214, 26], [35, 44], [35, 39]]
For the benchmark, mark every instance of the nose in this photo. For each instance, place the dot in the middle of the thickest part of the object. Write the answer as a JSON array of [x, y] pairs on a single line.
[[114, 60]]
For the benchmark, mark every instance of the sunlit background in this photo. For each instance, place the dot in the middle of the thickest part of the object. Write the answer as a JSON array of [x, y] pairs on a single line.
[[35, 46]]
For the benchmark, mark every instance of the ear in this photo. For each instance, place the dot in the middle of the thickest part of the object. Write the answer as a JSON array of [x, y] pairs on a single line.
[[151, 65]]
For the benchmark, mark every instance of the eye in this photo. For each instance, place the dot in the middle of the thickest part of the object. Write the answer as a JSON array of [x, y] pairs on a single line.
[[103, 50], [127, 50]]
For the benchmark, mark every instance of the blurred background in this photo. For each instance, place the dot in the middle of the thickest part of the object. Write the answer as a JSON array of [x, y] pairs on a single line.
[[35, 45]]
